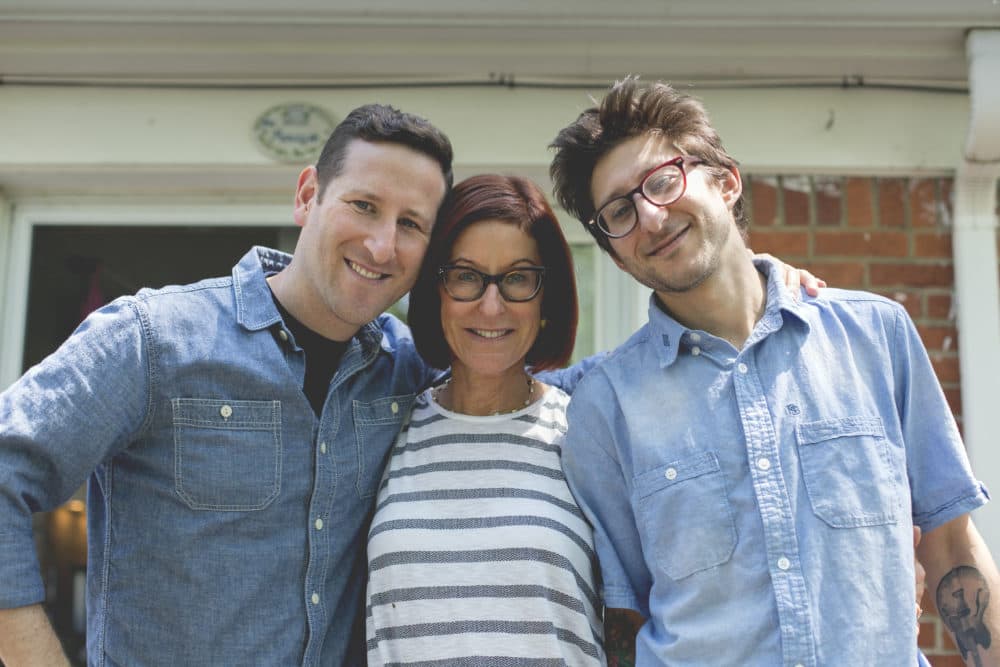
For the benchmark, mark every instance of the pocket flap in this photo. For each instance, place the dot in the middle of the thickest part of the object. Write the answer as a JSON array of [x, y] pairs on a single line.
[[676, 472], [811, 433]]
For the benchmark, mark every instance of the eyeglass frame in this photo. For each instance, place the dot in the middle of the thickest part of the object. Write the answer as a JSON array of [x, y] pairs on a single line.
[[678, 162], [492, 279]]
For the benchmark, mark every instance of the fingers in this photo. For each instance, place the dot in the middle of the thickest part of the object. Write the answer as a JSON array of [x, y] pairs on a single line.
[[811, 283], [920, 573]]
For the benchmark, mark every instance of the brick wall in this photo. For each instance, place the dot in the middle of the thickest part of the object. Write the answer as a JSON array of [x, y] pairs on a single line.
[[886, 235]]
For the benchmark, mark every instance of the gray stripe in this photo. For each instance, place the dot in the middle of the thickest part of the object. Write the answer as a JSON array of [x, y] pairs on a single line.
[[532, 419], [465, 592], [432, 418], [473, 523], [475, 494], [485, 438], [453, 466], [486, 556], [500, 627]]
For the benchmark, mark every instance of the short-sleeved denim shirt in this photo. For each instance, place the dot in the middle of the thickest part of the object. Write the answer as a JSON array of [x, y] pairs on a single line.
[[756, 504], [226, 522]]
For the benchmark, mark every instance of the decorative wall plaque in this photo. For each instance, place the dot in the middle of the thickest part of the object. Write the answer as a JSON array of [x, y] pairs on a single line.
[[293, 132]]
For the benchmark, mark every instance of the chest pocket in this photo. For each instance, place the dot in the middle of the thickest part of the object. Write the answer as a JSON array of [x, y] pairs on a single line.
[[227, 453], [376, 425], [685, 514], [847, 473]]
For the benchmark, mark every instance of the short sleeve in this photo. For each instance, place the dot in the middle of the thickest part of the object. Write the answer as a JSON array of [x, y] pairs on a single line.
[[941, 481]]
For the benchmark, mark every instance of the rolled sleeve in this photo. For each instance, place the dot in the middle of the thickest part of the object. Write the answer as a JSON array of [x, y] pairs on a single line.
[[942, 484]]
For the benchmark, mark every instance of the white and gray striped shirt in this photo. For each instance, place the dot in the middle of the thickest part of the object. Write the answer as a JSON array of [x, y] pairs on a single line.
[[478, 554]]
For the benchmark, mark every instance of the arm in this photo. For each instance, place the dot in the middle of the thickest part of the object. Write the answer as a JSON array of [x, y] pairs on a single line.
[[961, 575], [620, 629], [27, 639], [60, 420], [567, 378]]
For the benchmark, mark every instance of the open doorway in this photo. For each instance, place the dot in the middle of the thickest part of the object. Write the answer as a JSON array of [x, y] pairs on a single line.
[[75, 269]]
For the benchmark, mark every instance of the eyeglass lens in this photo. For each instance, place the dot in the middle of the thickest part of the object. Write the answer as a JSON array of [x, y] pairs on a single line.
[[468, 284], [663, 186]]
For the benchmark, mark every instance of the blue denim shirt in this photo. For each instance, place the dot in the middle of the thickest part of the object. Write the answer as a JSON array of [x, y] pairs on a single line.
[[756, 504], [226, 522]]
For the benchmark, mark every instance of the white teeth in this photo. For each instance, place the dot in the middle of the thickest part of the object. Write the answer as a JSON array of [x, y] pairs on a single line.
[[363, 272], [489, 333]]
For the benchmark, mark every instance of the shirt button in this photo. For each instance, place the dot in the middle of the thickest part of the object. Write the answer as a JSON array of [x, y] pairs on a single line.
[[743, 368], [315, 598], [319, 524], [226, 412], [696, 350], [671, 473], [784, 563], [763, 463], [322, 448], [394, 407], [283, 335], [695, 337]]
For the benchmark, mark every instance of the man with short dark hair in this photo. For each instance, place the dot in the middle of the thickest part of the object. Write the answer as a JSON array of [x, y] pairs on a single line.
[[234, 430], [753, 465]]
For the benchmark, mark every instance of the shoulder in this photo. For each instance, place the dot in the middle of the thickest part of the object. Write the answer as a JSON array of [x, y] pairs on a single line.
[[832, 297], [209, 289], [857, 306], [632, 356]]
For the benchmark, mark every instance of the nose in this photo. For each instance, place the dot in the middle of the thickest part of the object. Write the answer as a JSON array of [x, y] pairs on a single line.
[[650, 216], [491, 303], [381, 242]]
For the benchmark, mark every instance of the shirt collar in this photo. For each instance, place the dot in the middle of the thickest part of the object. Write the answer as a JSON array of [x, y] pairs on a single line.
[[255, 309], [668, 333]]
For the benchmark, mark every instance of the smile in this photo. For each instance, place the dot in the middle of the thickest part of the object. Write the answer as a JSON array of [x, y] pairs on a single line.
[[491, 333], [670, 243], [365, 273]]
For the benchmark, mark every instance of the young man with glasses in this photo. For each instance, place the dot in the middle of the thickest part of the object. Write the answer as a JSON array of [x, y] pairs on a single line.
[[753, 465]]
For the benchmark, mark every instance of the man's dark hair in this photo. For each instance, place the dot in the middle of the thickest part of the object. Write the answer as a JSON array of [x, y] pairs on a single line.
[[629, 110], [519, 202], [382, 123]]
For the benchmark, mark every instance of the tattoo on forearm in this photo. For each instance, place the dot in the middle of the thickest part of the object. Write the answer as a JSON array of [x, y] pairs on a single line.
[[962, 598], [620, 629], [619, 643]]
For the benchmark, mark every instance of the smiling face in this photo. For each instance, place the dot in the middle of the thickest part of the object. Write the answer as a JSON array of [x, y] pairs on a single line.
[[362, 238], [673, 248], [491, 336]]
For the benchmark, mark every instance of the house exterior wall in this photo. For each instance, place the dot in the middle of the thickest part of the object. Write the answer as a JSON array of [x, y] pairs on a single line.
[[853, 184]]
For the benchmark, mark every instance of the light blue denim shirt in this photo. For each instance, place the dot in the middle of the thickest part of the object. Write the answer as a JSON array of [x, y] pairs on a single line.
[[225, 521], [757, 504]]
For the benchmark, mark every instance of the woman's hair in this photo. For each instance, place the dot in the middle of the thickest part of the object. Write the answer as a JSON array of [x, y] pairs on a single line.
[[520, 202]]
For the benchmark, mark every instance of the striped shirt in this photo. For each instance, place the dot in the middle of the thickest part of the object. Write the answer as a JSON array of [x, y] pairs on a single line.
[[478, 554]]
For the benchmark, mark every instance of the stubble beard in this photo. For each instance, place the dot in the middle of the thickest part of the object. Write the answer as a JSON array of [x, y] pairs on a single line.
[[704, 265]]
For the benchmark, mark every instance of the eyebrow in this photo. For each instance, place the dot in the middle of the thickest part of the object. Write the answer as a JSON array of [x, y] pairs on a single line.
[[620, 192], [526, 260], [409, 212]]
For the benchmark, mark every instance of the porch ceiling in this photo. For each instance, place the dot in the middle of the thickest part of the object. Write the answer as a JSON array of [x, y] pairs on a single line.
[[524, 42]]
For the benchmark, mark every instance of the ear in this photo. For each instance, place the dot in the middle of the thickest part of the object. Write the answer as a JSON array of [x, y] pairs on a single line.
[[731, 187], [306, 192]]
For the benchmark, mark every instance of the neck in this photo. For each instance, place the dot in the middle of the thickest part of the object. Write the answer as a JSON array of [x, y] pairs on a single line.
[[472, 393], [293, 296], [728, 304]]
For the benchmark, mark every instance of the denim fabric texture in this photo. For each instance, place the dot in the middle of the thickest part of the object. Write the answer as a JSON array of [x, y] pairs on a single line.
[[226, 523], [757, 504]]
